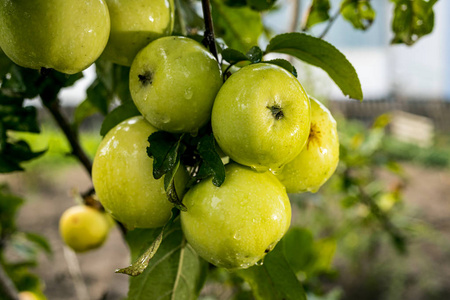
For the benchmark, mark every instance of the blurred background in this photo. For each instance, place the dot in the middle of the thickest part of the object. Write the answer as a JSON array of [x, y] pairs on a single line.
[[380, 226]]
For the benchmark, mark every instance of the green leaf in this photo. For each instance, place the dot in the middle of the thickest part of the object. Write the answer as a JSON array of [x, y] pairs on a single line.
[[5, 64], [233, 56], [240, 27], [298, 248], [319, 53], [255, 54], [358, 12], [169, 186], [165, 149], [39, 241], [119, 114], [211, 165], [122, 83], [9, 205], [99, 95], [8, 166], [318, 12], [23, 83], [175, 271], [261, 5], [20, 151], [186, 18], [284, 64], [412, 20], [84, 110], [19, 118], [274, 279], [141, 263]]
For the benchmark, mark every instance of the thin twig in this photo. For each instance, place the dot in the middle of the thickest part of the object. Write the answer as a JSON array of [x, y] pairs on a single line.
[[330, 23], [7, 288], [295, 15], [72, 137], [209, 39], [395, 233]]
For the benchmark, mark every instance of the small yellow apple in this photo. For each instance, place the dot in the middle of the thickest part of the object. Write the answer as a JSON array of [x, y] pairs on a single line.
[[83, 228]]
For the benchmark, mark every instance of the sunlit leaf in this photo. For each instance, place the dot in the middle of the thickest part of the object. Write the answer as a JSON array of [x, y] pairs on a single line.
[[358, 12], [240, 27], [174, 272], [274, 279], [412, 20], [321, 54], [318, 12]]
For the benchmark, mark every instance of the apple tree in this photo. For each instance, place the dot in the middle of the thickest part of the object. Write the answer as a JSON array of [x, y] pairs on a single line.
[[206, 128]]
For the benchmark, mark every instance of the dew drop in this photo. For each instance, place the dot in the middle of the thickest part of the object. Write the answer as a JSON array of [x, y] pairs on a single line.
[[260, 262], [259, 169], [237, 236], [165, 119], [188, 93]]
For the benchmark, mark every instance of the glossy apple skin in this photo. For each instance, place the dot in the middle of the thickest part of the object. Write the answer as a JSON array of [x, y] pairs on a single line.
[[184, 79], [134, 24], [123, 178], [245, 125], [235, 225], [67, 36], [320, 157], [83, 228]]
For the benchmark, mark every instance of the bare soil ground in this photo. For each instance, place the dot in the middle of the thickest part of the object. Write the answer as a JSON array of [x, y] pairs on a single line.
[[48, 194]]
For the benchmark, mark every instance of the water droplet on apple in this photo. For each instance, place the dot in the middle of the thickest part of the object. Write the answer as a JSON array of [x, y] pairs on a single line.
[[259, 169], [260, 262], [237, 235], [165, 119], [188, 93], [276, 170]]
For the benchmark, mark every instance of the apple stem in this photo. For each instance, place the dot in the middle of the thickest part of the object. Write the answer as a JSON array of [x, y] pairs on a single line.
[[209, 39]]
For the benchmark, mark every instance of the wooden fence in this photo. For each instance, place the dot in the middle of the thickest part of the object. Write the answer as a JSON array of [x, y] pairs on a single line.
[[368, 110]]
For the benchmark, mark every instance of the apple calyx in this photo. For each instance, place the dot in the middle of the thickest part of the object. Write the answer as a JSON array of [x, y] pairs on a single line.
[[277, 112], [146, 78]]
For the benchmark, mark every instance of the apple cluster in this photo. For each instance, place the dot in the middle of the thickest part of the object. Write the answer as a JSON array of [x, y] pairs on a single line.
[[277, 139]]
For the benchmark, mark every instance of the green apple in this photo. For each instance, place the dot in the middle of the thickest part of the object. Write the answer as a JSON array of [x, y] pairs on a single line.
[[134, 24], [261, 117], [173, 82], [319, 159], [122, 174], [67, 36], [235, 225], [83, 228]]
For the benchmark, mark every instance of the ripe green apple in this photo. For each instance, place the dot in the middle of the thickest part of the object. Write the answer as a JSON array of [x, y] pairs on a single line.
[[134, 24], [123, 178], [319, 159], [83, 228], [235, 225], [261, 117], [173, 82], [67, 36]]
